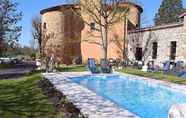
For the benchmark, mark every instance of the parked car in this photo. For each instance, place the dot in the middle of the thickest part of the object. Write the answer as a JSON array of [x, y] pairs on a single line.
[[1, 61], [5, 60], [14, 61], [8, 60]]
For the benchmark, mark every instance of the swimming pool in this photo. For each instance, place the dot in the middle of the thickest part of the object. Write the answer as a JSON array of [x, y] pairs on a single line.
[[147, 100]]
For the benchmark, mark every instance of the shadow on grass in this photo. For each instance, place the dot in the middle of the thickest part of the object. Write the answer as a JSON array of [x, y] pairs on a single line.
[[155, 75], [23, 99], [60, 101], [79, 68], [5, 66]]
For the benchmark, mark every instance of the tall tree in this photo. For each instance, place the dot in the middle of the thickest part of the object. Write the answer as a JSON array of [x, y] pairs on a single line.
[[9, 29], [104, 14], [37, 31], [169, 12]]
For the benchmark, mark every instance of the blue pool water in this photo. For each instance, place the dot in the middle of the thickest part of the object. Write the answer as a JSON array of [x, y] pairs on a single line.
[[138, 96]]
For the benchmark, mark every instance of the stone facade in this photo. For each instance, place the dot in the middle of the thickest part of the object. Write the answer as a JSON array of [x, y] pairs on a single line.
[[163, 35], [71, 38]]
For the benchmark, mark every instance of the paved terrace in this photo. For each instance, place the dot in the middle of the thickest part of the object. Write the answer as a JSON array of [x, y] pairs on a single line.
[[89, 103]]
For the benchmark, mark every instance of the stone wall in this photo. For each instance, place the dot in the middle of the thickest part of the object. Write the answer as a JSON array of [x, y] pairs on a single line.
[[163, 35]]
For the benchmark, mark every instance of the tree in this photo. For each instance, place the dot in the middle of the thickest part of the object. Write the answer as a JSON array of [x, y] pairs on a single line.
[[37, 32], [169, 12], [104, 13], [9, 29]]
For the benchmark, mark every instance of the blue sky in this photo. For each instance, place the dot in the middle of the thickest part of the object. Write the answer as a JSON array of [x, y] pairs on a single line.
[[31, 8]]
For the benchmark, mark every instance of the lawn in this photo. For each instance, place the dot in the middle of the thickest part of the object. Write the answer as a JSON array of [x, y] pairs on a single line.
[[154, 75], [24, 99], [4, 66], [72, 68]]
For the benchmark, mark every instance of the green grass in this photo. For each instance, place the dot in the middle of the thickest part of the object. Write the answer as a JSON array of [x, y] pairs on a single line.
[[72, 68], [4, 66], [154, 75], [24, 99]]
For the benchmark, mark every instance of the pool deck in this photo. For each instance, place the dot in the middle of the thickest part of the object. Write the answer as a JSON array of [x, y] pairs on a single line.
[[92, 105], [89, 103]]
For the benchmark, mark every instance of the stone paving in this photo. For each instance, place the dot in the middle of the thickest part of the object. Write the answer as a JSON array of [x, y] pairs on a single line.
[[89, 103]]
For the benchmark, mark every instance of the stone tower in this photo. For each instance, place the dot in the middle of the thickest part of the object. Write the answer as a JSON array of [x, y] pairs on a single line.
[[63, 33]]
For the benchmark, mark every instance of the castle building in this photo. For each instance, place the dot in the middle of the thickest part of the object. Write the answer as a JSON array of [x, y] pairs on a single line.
[[67, 37]]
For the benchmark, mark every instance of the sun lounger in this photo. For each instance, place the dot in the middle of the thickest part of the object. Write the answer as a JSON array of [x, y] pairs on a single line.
[[92, 66], [166, 67], [105, 67]]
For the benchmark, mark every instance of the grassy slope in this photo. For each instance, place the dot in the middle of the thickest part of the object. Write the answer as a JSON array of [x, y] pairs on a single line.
[[24, 99], [4, 66], [155, 75], [72, 68]]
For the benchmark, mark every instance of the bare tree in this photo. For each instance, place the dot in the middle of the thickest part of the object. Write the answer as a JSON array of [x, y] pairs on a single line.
[[37, 32], [104, 13], [42, 37], [32, 44], [9, 29]]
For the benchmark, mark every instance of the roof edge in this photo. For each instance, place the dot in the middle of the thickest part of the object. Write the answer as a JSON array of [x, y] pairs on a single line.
[[54, 8], [134, 4], [157, 27]]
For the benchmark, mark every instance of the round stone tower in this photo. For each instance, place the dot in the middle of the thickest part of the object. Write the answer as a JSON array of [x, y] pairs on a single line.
[[62, 33], [134, 15]]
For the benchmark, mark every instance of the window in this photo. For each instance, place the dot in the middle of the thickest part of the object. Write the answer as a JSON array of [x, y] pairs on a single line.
[[44, 26], [138, 54], [154, 50], [173, 50], [92, 26]]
